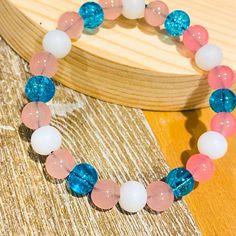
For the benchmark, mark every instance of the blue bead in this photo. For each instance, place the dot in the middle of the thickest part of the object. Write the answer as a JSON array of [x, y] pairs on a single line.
[[40, 89], [181, 181], [82, 179], [176, 23], [92, 14], [222, 100]]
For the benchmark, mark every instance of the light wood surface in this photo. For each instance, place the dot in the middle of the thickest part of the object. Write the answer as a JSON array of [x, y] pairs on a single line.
[[212, 203], [116, 140], [126, 62]]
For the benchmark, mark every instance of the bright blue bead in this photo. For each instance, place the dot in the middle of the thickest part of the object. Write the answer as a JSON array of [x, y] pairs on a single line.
[[82, 179], [176, 23], [181, 181], [92, 14], [222, 100], [40, 89]]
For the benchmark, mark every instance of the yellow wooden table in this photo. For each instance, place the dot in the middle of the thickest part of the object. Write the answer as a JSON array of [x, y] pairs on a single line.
[[211, 203]]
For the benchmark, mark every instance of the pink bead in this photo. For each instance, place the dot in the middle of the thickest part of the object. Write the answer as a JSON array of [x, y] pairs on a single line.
[[160, 196], [224, 123], [71, 23], [195, 37], [201, 167], [221, 77], [112, 8], [155, 13], [105, 194], [35, 115], [43, 63], [59, 164]]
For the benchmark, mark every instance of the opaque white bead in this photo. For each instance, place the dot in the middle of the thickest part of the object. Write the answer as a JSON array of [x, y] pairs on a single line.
[[212, 144], [57, 43], [133, 9], [46, 140], [133, 196], [208, 57]]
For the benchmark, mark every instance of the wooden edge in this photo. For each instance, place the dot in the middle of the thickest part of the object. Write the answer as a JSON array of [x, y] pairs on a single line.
[[105, 79]]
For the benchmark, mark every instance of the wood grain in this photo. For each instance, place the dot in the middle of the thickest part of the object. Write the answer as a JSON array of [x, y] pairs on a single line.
[[212, 203], [115, 139], [126, 62]]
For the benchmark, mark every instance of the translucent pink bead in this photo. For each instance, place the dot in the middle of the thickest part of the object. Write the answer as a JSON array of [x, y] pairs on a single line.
[[221, 77], [224, 123], [59, 164], [195, 37], [35, 115], [155, 13], [201, 167], [160, 196], [105, 194], [112, 8], [43, 63], [71, 23]]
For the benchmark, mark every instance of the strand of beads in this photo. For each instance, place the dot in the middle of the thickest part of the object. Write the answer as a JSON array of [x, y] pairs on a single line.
[[82, 178]]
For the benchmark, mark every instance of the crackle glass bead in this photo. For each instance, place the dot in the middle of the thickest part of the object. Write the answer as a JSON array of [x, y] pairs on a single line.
[[176, 23], [155, 13], [59, 164], [82, 179], [35, 115], [201, 167], [160, 196], [105, 194], [40, 88], [71, 23], [92, 14], [222, 100], [181, 181], [43, 63], [112, 8], [224, 123], [195, 37], [221, 77]]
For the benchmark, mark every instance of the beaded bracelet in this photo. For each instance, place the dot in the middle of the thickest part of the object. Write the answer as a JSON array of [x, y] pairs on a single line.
[[82, 179]]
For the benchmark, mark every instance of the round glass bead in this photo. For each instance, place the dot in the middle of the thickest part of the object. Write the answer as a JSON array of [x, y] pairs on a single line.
[[222, 100], [71, 23], [224, 123], [181, 181], [43, 63], [221, 77], [155, 13], [59, 164], [105, 194], [201, 167], [35, 115], [92, 14], [82, 179], [112, 8], [160, 196], [195, 37], [176, 23], [40, 88]]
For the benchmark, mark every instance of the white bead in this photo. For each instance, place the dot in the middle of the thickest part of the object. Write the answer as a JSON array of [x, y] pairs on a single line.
[[57, 43], [45, 140], [133, 9], [208, 57], [133, 196], [212, 144]]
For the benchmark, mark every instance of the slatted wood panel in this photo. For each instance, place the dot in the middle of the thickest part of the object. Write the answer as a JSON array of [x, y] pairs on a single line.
[[115, 139], [126, 62]]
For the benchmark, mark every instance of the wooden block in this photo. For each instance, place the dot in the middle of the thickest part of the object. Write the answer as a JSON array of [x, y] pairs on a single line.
[[126, 62]]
